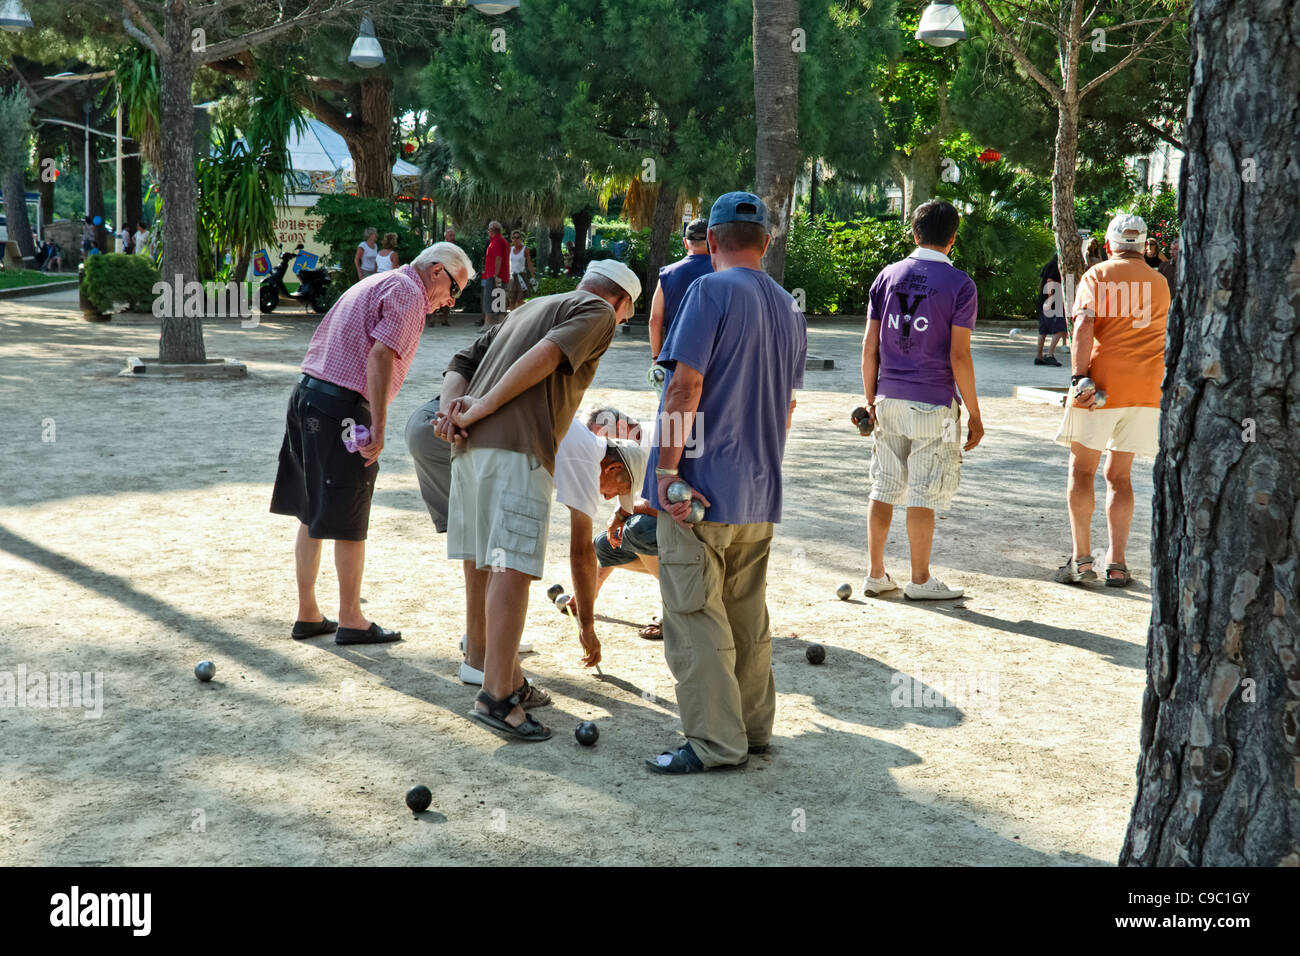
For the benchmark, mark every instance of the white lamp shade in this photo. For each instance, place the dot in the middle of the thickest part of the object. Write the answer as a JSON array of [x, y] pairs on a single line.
[[366, 51], [13, 16], [941, 24], [493, 7]]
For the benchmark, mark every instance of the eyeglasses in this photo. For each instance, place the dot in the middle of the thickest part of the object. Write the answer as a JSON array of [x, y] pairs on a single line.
[[456, 290]]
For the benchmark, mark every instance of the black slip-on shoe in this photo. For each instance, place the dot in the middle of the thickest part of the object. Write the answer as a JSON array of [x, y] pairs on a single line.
[[305, 629], [374, 634]]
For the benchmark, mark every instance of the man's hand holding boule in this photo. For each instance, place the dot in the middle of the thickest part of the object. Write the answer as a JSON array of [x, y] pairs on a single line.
[[615, 528], [679, 509]]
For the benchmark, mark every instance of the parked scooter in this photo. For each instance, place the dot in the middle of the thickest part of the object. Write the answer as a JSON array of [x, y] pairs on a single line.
[[312, 290]]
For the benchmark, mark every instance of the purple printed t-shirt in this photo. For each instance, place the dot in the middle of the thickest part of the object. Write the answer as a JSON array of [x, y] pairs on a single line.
[[917, 301]]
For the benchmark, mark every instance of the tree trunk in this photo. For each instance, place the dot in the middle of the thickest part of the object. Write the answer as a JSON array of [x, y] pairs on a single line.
[[661, 232], [1219, 772], [1069, 249], [776, 112], [182, 338], [581, 226], [371, 140], [132, 184], [45, 147], [17, 223], [556, 261], [94, 177]]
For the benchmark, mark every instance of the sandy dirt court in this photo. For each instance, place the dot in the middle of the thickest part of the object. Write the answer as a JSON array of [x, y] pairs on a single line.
[[138, 542]]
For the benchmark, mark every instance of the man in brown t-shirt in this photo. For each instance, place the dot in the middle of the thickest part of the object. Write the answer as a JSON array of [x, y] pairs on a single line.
[[507, 423]]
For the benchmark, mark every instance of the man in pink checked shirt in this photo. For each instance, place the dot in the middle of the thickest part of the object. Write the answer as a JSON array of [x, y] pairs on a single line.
[[358, 357]]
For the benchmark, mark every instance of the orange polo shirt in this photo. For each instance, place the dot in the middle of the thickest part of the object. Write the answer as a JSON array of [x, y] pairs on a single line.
[[1130, 301]]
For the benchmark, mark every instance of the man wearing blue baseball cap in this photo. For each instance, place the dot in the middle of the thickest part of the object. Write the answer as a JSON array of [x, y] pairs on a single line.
[[734, 357]]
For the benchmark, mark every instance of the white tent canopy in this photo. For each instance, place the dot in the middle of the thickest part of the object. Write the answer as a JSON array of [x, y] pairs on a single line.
[[322, 163]]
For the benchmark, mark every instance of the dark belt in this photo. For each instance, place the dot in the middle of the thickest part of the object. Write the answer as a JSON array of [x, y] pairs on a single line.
[[329, 388]]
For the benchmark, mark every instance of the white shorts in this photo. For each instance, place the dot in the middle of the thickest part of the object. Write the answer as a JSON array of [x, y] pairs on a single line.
[[1129, 429], [915, 454], [499, 510]]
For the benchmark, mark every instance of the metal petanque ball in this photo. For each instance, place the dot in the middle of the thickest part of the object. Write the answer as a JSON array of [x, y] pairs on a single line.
[[844, 592], [815, 653], [679, 491], [562, 602], [696, 514], [587, 733], [554, 591], [205, 670], [418, 798]]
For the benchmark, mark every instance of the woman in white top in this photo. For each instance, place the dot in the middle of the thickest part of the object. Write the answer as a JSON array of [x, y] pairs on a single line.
[[521, 269], [387, 258], [366, 254]]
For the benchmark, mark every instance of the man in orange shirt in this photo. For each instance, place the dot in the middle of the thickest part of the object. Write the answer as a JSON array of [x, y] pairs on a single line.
[[1119, 320]]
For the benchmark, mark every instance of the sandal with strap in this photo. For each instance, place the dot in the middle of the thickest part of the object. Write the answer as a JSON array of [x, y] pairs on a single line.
[[530, 695], [1071, 573], [495, 719], [679, 760], [654, 631], [1122, 582]]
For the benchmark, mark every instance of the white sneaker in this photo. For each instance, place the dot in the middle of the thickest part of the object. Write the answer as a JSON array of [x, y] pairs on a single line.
[[874, 586], [524, 647], [931, 590], [470, 675]]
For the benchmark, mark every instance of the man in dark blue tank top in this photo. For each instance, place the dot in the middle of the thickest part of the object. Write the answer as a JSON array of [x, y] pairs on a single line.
[[675, 279]]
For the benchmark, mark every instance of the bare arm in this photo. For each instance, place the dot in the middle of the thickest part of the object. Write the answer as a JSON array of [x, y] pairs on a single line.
[[681, 399], [963, 372], [583, 567], [529, 369], [356, 261], [657, 322], [379, 376], [871, 361], [790, 415]]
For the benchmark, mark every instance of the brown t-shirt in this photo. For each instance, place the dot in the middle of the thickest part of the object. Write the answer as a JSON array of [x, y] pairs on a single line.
[[582, 324]]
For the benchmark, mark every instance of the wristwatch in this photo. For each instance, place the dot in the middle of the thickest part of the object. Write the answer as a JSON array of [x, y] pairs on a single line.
[[666, 472]]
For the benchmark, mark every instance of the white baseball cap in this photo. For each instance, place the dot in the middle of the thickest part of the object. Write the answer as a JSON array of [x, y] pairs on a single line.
[[1127, 231], [635, 457], [616, 272]]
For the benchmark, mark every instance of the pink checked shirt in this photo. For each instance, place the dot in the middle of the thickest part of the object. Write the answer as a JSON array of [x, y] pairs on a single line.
[[389, 307]]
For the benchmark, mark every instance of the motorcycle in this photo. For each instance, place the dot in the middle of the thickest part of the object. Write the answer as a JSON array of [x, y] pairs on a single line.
[[312, 290]]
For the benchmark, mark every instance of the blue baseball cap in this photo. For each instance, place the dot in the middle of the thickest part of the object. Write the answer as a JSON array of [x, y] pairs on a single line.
[[738, 207]]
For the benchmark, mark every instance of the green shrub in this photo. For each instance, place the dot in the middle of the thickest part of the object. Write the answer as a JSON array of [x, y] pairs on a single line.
[[1160, 212], [548, 284], [809, 266], [344, 223], [116, 277], [859, 250]]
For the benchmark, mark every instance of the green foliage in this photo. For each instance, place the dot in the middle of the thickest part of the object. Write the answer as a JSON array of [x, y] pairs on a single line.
[[137, 73], [344, 220], [1160, 211], [1003, 239], [116, 277], [15, 129], [835, 262], [548, 284]]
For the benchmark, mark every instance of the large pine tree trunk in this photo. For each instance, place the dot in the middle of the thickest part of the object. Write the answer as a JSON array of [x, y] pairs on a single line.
[[132, 184], [371, 141], [776, 112], [661, 232], [94, 177], [581, 226], [182, 338], [1219, 773], [555, 262]]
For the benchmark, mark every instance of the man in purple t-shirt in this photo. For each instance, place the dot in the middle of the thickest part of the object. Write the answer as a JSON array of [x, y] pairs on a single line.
[[916, 370]]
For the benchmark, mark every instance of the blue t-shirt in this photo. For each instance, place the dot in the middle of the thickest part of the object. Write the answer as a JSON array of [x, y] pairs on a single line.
[[746, 336], [676, 279], [917, 301]]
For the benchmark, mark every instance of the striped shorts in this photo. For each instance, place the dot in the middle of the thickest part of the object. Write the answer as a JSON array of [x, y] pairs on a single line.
[[916, 454]]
